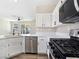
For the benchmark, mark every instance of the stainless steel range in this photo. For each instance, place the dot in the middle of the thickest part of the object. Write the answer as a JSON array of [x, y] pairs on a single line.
[[65, 48]]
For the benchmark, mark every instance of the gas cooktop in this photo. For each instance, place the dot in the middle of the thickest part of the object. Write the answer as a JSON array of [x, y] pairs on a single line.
[[68, 47]]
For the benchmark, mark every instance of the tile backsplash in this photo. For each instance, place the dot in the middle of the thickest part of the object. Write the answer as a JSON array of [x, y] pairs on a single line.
[[64, 30]]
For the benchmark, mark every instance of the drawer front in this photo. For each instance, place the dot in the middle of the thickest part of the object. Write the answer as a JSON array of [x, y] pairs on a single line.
[[14, 42]]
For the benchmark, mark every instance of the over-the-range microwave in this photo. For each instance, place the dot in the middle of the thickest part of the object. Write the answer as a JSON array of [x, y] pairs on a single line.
[[69, 12]]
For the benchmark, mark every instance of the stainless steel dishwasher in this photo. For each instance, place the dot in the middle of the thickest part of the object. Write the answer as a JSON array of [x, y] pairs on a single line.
[[31, 44]]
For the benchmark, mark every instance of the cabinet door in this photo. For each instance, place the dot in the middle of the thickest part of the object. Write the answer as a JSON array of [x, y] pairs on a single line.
[[42, 45], [47, 20], [3, 49], [43, 20], [19, 46], [39, 20], [14, 46]]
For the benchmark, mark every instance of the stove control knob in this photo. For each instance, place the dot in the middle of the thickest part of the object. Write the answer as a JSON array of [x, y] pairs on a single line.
[[52, 47], [50, 43]]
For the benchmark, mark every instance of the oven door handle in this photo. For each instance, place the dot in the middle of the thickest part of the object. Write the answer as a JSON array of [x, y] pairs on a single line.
[[50, 53]]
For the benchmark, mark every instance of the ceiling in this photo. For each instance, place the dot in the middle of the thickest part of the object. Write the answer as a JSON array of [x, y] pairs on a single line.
[[26, 8], [45, 6]]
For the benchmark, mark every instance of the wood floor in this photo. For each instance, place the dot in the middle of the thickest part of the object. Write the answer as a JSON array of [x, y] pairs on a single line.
[[30, 56]]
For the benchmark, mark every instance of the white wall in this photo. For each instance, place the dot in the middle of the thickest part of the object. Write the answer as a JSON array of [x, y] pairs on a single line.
[[4, 27], [23, 8]]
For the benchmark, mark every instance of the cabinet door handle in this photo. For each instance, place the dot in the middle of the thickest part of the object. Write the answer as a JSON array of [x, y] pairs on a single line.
[[42, 25], [8, 45], [42, 39], [61, 1], [8, 54], [54, 22], [20, 43]]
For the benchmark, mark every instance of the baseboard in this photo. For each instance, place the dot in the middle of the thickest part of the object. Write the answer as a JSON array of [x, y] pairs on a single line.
[[42, 54], [30, 53], [15, 56]]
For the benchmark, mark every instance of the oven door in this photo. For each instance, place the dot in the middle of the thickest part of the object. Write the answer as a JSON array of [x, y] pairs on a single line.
[[54, 53]]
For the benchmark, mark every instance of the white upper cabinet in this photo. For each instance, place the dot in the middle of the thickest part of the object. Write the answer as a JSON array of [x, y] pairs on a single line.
[[38, 21], [43, 20]]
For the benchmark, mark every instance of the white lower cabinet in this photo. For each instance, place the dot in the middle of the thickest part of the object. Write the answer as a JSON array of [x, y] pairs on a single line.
[[3, 49], [10, 47], [14, 46], [42, 45]]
